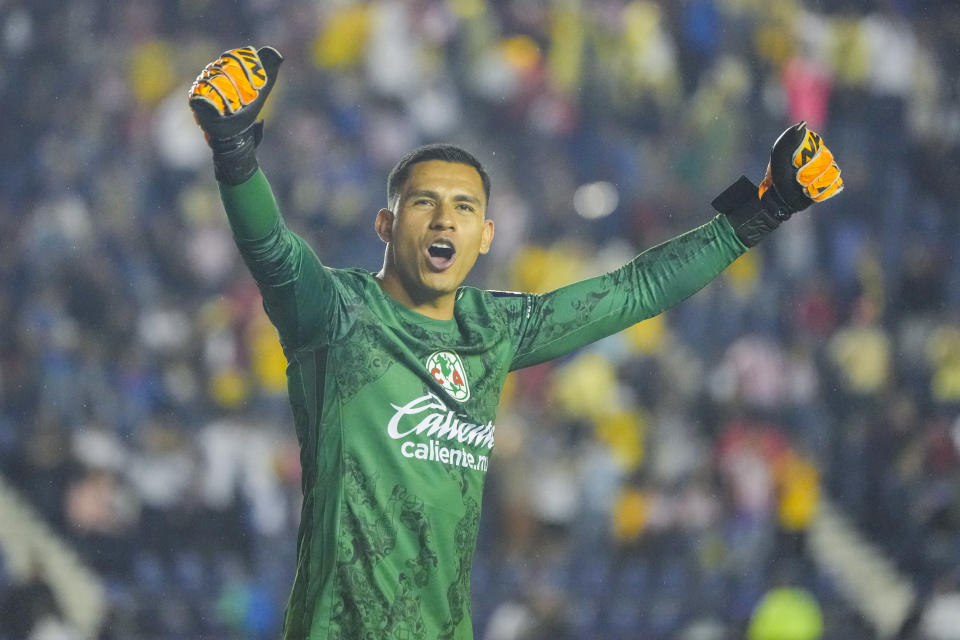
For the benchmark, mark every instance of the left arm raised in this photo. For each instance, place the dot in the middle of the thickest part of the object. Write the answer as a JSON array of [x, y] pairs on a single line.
[[573, 316], [802, 171]]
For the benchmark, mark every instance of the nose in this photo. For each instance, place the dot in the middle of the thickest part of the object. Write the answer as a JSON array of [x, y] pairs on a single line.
[[442, 217]]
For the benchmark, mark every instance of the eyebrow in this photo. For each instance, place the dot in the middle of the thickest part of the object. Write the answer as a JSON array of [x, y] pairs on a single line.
[[460, 197]]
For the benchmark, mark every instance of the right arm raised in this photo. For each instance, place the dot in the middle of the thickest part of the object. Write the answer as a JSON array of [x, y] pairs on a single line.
[[300, 295]]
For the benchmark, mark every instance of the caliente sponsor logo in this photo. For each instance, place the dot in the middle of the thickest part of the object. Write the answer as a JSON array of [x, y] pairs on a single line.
[[430, 430]]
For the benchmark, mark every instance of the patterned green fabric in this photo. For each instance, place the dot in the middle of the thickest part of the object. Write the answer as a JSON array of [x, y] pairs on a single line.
[[395, 413]]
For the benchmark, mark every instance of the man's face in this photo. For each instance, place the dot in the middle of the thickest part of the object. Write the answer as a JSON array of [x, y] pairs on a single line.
[[437, 229]]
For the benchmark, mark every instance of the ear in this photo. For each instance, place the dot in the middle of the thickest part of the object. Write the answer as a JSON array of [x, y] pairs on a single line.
[[486, 236], [384, 224]]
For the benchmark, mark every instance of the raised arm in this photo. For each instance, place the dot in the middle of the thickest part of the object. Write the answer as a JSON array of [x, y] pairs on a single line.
[[801, 171], [299, 294], [583, 312]]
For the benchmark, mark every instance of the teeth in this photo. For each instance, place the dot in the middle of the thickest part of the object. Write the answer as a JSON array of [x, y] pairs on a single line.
[[442, 244]]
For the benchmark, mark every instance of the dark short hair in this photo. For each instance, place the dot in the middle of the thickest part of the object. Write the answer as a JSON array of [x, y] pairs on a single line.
[[446, 152]]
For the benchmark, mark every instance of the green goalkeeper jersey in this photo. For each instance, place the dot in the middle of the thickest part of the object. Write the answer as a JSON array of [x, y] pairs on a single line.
[[395, 413]]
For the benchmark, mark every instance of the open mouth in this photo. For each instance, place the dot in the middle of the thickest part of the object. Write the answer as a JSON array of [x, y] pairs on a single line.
[[440, 254]]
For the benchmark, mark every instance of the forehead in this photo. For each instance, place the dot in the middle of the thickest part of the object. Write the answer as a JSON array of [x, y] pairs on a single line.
[[435, 175]]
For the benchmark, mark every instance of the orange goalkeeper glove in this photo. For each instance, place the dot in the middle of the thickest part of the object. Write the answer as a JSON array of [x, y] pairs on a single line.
[[801, 171], [226, 98]]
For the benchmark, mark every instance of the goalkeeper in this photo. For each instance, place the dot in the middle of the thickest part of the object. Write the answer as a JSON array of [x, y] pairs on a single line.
[[394, 376]]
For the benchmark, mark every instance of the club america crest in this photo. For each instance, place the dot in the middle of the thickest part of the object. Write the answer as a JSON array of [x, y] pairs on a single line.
[[447, 369]]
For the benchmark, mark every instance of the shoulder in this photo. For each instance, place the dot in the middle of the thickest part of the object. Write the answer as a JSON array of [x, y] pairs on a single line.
[[354, 279], [349, 287], [355, 276], [510, 306]]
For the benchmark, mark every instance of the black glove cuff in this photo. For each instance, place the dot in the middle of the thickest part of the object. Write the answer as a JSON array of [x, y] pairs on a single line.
[[235, 157], [752, 218]]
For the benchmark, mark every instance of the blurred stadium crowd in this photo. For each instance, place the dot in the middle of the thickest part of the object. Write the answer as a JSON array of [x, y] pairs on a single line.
[[656, 485]]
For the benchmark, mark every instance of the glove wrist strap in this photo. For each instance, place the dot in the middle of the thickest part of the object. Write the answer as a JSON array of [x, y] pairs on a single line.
[[752, 217], [235, 157]]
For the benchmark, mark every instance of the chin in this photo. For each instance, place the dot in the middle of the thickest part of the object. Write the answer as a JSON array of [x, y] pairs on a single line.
[[439, 284]]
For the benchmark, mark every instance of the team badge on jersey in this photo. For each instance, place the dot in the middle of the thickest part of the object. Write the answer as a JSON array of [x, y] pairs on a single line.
[[447, 369]]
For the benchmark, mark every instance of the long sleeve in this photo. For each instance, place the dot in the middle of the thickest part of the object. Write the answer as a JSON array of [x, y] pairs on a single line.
[[570, 317], [251, 207], [300, 296]]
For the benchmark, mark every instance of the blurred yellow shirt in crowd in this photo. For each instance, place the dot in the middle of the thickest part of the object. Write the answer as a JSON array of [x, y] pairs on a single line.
[[799, 492]]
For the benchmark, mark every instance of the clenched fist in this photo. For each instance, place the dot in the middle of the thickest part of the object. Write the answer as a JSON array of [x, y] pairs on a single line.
[[801, 171], [226, 98]]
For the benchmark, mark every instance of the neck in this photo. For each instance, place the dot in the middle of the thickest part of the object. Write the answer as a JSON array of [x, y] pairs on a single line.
[[438, 306]]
